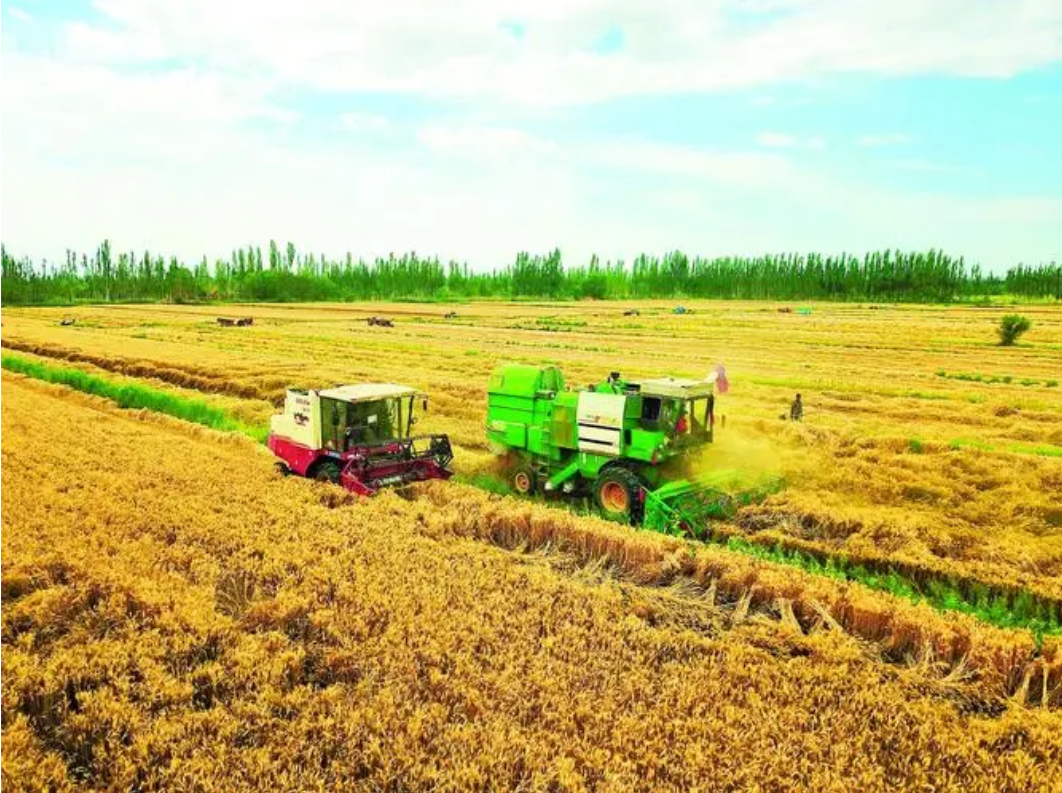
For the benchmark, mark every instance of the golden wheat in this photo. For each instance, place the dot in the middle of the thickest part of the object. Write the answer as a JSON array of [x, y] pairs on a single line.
[[881, 468], [176, 615]]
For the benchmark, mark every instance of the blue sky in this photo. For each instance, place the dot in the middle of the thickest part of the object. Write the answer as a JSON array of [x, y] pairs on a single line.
[[473, 130]]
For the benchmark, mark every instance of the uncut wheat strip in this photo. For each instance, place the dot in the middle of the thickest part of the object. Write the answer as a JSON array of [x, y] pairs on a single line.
[[1001, 658], [184, 377], [916, 570], [168, 423]]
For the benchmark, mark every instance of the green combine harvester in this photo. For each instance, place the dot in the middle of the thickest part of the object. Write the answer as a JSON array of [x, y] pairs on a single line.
[[627, 445]]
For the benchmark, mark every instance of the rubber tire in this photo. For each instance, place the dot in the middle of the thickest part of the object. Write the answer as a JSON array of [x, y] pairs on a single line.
[[326, 471], [628, 480], [520, 472]]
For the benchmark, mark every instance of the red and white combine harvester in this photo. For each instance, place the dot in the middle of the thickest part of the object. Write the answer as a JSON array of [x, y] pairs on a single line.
[[359, 436]]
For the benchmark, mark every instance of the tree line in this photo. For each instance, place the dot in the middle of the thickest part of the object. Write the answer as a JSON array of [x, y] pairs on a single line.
[[287, 275]]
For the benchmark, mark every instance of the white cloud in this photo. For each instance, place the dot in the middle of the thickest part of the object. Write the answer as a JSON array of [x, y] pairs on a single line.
[[924, 166], [18, 13], [460, 49], [188, 94], [880, 140], [782, 140], [776, 140], [113, 139], [497, 144], [736, 202], [729, 169], [363, 122], [121, 159]]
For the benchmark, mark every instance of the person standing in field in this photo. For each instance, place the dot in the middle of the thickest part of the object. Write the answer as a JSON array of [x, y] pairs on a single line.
[[796, 410]]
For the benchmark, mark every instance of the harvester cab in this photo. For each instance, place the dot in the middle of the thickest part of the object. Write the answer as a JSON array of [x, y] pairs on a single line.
[[360, 436], [672, 415], [624, 443]]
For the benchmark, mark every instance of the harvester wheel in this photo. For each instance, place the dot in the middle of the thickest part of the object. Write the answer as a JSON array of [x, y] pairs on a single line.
[[522, 481], [616, 491], [327, 471]]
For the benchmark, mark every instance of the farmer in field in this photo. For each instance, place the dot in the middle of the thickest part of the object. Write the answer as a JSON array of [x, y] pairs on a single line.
[[796, 410]]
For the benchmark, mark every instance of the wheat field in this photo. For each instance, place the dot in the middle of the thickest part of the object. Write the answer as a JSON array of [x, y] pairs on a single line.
[[897, 454], [175, 614]]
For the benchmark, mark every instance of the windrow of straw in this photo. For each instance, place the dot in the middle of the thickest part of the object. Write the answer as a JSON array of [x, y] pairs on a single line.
[[184, 376], [1003, 659]]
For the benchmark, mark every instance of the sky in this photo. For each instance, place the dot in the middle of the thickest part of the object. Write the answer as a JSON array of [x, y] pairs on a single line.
[[474, 130]]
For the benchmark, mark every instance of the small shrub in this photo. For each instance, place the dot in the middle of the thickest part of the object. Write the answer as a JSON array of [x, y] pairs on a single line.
[[1011, 327]]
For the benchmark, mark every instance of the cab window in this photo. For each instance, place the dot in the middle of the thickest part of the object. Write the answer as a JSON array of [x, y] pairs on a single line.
[[650, 410]]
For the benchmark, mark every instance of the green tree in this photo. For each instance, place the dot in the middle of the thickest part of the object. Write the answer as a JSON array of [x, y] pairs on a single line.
[[1011, 328]]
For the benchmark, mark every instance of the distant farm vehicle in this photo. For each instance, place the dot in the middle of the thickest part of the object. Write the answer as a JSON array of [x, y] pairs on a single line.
[[681, 310], [229, 322], [358, 436], [622, 443], [785, 310], [67, 321], [450, 315], [382, 322], [632, 312]]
